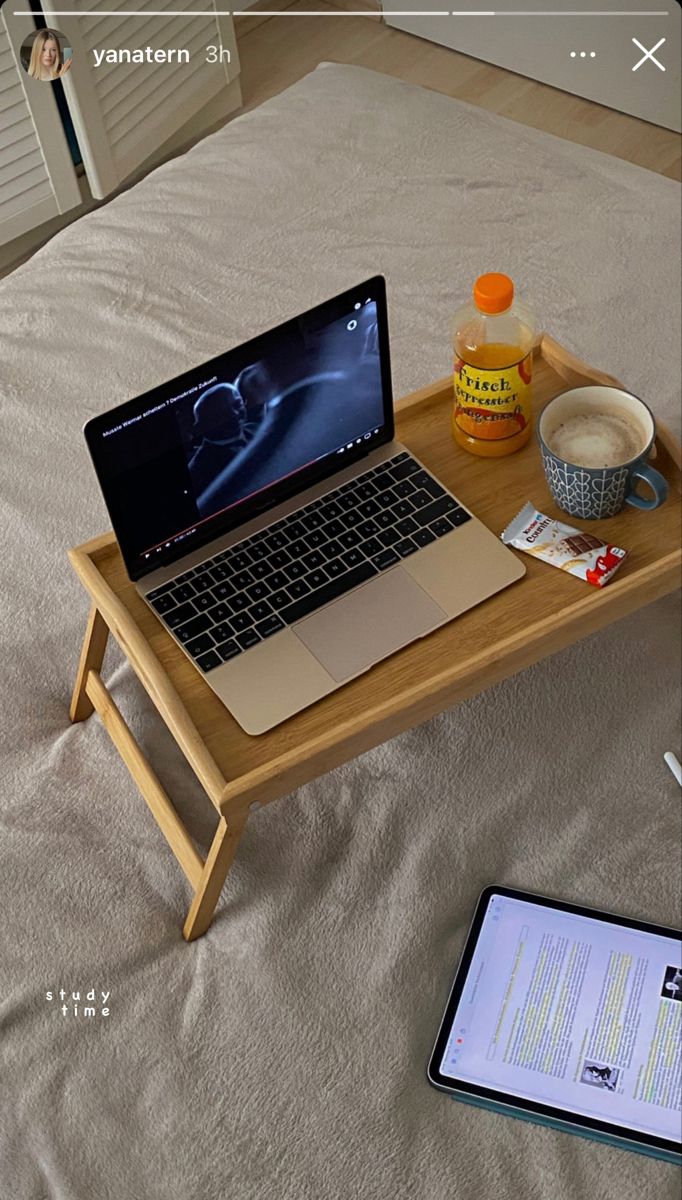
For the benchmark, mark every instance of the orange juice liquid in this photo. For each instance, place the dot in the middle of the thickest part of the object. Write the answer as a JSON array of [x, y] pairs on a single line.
[[492, 410]]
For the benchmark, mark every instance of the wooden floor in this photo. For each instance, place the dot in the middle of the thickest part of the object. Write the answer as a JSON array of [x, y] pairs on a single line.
[[274, 52]]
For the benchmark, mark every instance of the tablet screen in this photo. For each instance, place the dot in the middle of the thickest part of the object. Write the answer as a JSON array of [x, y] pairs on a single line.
[[576, 1012]]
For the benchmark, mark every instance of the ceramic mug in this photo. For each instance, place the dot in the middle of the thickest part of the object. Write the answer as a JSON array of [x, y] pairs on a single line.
[[592, 492]]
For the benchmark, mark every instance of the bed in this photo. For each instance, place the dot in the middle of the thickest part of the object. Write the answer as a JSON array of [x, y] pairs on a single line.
[[284, 1054]]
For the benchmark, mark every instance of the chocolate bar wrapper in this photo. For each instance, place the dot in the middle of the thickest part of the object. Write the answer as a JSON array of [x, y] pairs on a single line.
[[580, 554]]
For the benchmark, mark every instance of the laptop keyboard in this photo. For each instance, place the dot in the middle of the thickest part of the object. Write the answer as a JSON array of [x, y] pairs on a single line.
[[245, 594]]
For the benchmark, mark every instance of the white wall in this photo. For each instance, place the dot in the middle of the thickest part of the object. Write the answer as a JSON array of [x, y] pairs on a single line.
[[539, 47]]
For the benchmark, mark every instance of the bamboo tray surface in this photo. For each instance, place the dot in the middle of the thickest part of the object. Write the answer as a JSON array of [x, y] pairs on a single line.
[[536, 616]]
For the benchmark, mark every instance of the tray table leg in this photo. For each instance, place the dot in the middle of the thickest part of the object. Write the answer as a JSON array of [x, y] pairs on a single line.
[[92, 653], [218, 862], [205, 876]]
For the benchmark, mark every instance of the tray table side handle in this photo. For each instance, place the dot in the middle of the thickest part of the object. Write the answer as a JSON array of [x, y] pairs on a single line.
[[566, 364]]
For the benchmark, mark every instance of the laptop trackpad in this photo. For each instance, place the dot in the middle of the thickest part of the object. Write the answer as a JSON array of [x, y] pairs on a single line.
[[368, 624]]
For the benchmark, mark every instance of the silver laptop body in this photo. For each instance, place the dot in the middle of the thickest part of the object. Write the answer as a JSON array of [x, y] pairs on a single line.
[[299, 598]]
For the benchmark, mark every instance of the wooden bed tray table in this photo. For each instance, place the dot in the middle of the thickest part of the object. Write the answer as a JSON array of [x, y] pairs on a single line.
[[539, 615]]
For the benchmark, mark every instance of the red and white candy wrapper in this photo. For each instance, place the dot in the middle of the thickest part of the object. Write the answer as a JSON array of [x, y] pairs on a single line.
[[580, 554]]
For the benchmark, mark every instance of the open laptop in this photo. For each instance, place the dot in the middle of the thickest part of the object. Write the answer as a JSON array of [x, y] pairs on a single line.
[[273, 524]]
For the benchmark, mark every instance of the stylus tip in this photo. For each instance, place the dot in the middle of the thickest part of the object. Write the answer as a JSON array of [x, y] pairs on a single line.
[[674, 764]]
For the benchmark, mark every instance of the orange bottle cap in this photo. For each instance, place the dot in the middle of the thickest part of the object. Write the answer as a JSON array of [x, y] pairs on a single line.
[[493, 293]]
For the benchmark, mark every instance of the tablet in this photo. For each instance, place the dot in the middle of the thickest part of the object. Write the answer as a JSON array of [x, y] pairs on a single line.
[[570, 1017]]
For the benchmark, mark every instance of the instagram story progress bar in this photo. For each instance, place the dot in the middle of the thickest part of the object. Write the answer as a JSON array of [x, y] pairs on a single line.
[[366, 12]]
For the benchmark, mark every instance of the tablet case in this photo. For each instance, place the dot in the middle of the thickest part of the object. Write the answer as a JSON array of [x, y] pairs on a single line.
[[565, 1127]]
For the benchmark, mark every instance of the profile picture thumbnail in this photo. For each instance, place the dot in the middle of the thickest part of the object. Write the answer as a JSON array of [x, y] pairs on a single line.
[[672, 983], [46, 55]]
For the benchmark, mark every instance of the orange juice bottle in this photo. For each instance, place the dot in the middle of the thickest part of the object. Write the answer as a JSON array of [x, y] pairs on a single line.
[[493, 343]]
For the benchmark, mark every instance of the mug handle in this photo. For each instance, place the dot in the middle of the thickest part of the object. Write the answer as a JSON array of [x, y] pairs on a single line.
[[657, 484]]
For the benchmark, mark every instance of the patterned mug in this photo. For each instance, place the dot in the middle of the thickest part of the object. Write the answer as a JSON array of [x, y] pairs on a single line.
[[598, 491]]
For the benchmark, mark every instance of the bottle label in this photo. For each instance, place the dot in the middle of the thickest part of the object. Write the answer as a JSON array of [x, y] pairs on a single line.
[[493, 404]]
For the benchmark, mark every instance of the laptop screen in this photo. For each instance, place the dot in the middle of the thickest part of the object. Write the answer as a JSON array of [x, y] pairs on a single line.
[[232, 438]]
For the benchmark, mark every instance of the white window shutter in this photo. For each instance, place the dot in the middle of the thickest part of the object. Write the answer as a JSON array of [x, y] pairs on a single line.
[[123, 112], [37, 177]]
